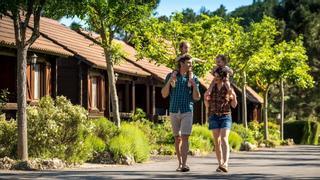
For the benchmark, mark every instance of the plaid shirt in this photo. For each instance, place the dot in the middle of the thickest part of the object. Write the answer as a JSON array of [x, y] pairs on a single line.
[[218, 104], [181, 95]]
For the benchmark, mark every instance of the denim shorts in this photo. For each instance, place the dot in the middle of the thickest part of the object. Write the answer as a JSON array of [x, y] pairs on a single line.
[[220, 122]]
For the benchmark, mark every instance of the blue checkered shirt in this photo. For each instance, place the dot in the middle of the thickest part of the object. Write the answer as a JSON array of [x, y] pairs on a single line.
[[181, 95]]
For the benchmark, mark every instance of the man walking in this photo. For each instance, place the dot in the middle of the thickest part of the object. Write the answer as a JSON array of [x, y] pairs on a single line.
[[182, 97]]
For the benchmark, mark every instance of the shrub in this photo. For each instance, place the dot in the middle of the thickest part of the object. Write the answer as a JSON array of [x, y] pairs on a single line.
[[199, 144], [104, 129], [167, 149], [58, 129], [159, 135], [202, 131], [139, 115], [302, 132], [131, 141], [163, 133], [201, 139], [235, 141], [246, 134], [274, 134], [256, 129], [8, 138], [3, 98], [258, 132]]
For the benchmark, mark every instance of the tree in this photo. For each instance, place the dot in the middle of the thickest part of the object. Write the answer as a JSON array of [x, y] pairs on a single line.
[[208, 37], [294, 70], [21, 12], [26, 16], [258, 36], [255, 12], [221, 11], [108, 18], [189, 16], [276, 63], [211, 36], [300, 17]]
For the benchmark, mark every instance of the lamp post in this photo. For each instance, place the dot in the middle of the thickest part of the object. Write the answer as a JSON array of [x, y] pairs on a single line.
[[33, 59]]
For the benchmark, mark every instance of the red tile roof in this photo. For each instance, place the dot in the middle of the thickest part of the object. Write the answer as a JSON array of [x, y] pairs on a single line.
[[83, 47], [7, 39]]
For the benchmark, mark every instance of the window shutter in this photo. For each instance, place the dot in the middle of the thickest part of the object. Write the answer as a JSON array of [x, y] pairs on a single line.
[[99, 93], [48, 80], [29, 91], [89, 93]]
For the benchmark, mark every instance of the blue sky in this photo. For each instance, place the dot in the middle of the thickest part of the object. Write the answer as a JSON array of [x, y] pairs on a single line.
[[166, 7]]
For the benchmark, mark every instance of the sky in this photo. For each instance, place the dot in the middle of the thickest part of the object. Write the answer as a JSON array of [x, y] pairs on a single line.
[[166, 7]]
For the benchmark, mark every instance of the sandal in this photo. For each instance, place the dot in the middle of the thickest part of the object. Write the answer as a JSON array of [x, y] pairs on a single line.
[[185, 169], [218, 169], [223, 168], [179, 169]]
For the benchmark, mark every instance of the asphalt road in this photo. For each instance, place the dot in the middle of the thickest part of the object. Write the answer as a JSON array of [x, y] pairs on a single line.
[[291, 162]]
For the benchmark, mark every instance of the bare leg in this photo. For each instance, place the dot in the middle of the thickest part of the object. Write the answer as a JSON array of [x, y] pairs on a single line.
[[217, 145], [225, 145], [177, 144], [184, 149]]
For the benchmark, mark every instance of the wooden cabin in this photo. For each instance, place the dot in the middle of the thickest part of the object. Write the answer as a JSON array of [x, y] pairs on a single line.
[[71, 64]]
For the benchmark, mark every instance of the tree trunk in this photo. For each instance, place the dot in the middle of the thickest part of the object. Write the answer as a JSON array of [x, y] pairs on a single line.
[[265, 113], [113, 89], [244, 100], [282, 109], [22, 102]]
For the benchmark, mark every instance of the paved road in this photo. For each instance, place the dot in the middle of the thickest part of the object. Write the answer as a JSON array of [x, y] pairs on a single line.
[[294, 162]]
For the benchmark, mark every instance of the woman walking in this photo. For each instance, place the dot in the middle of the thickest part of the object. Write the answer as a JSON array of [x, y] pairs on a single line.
[[219, 101]]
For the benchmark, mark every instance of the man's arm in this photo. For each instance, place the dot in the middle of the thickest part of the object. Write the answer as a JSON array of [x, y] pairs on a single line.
[[195, 90], [165, 91]]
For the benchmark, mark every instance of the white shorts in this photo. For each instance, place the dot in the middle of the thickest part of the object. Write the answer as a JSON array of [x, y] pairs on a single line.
[[181, 123]]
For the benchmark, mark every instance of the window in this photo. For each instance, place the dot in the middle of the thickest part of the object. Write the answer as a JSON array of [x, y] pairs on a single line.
[[96, 93], [38, 81]]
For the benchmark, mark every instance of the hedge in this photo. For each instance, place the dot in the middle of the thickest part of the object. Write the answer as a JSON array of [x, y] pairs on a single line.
[[302, 132]]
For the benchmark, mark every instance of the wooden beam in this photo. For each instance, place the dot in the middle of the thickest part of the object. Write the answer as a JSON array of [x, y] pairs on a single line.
[[80, 84], [10, 106], [55, 78], [133, 96], [206, 114], [107, 96], [148, 98], [127, 96], [202, 111], [153, 100]]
